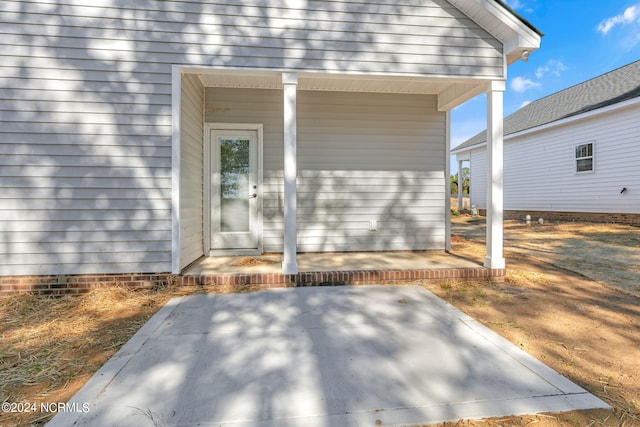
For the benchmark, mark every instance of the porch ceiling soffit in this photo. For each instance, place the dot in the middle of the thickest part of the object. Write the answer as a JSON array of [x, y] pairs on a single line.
[[515, 33], [451, 91]]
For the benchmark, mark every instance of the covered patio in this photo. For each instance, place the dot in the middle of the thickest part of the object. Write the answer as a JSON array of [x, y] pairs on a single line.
[[318, 156], [366, 192]]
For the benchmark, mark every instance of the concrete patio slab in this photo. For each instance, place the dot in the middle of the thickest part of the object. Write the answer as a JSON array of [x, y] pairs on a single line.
[[340, 356]]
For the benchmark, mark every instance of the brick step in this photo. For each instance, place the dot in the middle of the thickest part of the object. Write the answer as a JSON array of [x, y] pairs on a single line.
[[75, 284]]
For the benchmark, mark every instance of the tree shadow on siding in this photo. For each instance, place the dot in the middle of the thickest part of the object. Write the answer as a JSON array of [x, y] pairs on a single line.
[[342, 221], [87, 138], [88, 116]]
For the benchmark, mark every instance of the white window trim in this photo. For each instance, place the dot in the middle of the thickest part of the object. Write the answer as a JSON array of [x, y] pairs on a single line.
[[592, 157]]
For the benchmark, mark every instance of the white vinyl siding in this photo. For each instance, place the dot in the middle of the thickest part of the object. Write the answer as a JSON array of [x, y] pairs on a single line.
[[85, 109], [75, 212], [84, 170], [478, 178], [540, 168], [366, 157], [336, 207], [263, 106], [191, 186], [426, 37], [361, 157]]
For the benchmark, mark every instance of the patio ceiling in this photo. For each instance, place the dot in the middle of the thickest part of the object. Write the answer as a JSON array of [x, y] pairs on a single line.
[[451, 91]]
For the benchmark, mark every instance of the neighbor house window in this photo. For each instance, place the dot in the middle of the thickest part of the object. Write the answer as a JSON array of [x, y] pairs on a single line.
[[584, 157]]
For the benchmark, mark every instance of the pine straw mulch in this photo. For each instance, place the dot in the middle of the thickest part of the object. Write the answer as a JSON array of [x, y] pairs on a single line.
[[50, 346], [254, 261]]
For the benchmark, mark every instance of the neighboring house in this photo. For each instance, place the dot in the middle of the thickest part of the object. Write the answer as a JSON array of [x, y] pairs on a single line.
[[141, 136], [573, 155]]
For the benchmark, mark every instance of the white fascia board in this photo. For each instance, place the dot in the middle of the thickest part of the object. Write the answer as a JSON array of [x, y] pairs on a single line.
[[523, 37], [464, 156], [503, 25], [466, 150]]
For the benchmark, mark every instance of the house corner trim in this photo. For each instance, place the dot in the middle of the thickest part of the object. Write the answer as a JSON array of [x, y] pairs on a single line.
[[176, 93]]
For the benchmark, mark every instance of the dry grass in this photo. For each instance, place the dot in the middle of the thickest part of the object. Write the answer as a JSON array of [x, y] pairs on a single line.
[[581, 329], [507, 308], [524, 279], [50, 346], [606, 253], [253, 261]]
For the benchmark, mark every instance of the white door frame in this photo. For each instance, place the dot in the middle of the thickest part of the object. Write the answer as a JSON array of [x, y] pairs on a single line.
[[208, 127]]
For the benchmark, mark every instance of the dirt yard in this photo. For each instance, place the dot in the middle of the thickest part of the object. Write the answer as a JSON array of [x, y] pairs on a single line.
[[466, 204], [606, 253], [588, 330]]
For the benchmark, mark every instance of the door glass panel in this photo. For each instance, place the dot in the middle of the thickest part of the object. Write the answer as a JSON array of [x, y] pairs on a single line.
[[234, 184]]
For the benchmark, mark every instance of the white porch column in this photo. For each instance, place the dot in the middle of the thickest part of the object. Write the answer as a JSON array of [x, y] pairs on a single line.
[[460, 186], [494, 258], [289, 262], [447, 182]]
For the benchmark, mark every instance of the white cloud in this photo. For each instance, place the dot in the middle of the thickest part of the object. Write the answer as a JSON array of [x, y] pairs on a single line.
[[629, 16], [520, 5], [524, 104], [515, 4], [541, 71], [553, 66], [522, 84]]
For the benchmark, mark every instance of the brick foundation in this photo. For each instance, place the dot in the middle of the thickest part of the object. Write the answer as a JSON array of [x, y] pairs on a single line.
[[629, 219], [75, 284]]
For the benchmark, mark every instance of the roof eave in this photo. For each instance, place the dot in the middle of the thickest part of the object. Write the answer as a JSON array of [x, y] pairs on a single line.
[[460, 149], [519, 37], [520, 17], [588, 115]]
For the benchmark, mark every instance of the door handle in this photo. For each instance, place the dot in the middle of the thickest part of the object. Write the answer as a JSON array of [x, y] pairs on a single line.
[[253, 196]]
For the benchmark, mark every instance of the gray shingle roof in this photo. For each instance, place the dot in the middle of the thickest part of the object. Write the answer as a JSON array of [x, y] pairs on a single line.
[[608, 89]]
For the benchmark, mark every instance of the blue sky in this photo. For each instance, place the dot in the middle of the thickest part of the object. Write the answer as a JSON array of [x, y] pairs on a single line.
[[582, 39]]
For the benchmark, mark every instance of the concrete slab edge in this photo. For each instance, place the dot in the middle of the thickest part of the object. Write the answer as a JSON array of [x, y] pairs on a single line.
[[543, 371], [558, 381], [433, 414], [92, 390], [570, 396]]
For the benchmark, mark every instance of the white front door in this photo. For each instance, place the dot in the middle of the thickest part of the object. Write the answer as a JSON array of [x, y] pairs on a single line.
[[235, 193]]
